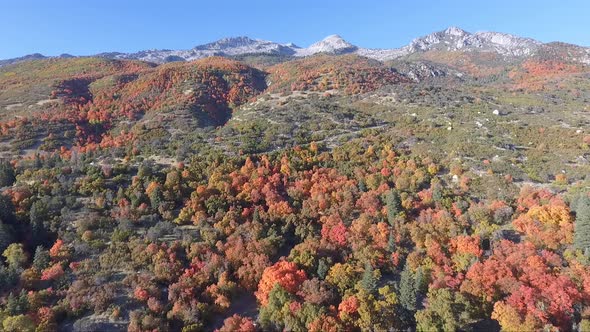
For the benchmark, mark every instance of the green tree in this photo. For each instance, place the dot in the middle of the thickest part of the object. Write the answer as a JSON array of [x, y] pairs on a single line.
[[5, 236], [17, 304], [323, 268], [15, 255], [19, 323], [38, 213], [370, 278], [394, 205], [272, 315], [446, 311], [408, 289], [41, 259], [7, 176], [582, 223], [6, 210], [156, 198], [391, 243], [8, 278]]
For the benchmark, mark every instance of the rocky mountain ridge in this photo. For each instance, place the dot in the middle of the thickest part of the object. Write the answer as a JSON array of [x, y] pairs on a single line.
[[452, 39]]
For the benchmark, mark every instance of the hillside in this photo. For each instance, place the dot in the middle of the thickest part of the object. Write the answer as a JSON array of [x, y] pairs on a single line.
[[260, 186]]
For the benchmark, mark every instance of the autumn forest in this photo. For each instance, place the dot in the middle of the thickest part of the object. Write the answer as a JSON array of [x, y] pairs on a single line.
[[440, 192]]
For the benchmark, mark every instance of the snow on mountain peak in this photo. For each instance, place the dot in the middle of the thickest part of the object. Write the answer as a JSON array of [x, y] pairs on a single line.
[[455, 31], [229, 42], [333, 44], [451, 39], [454, 39]]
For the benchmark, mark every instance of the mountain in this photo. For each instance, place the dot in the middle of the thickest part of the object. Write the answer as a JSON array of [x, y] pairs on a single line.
[[452, 39], [455, 39], [34, 56], [333, 44], [223, 47]]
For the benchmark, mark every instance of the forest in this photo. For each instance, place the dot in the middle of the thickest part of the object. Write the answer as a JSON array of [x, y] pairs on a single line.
[[193, 196]]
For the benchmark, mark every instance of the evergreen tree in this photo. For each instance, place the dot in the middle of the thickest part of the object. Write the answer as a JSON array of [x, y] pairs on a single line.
[[11, 304], [256, 215], [37, 215], [7, 176], [369, 280], [156, 198], [5, 236], [391, 243], [408, 292], [8, 278], [582, 223], [323, 268], [394, 205], [41, 259], [17, 304], [6, 210]]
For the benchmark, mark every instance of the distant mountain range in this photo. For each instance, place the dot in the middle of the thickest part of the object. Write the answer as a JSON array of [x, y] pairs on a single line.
[[451, 39]]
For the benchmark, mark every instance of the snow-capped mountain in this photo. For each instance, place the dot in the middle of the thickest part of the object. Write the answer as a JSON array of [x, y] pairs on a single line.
[[450, 39], [333, 44], [455, 39], [223, 47]]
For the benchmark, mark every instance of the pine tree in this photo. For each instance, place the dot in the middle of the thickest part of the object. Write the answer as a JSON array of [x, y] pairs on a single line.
[[323, 268], [11, 304], [23, 302], [7, 176], [582, 223], [17, 304], [394, 205], [6, 210], [369, 281], [41, 259], [408, 293], [256, 215], [391, 243], [156, 198], [5, 236]]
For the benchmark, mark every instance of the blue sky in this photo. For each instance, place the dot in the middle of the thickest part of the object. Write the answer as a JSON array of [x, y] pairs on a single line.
[[83, 27]]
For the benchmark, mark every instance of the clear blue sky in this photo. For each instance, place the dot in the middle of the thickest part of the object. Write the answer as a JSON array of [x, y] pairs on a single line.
[[83, 27]]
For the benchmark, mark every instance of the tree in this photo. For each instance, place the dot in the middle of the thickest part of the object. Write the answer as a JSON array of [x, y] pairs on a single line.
[[41, 259], [20, 323], [237, 323], [272, 313], [408, 289], [323, 268], [548, 225], [582, 223], [156, 197], [7, 176], [284, 273], [17, 304], [5, 236], [445, 311], [394, 205], [15, 255], [6, 209], [370, 279], [37, 215]]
